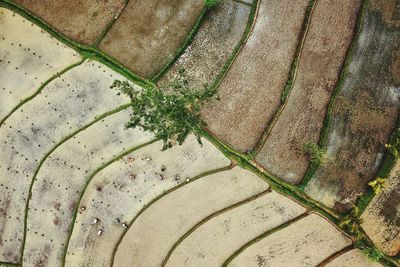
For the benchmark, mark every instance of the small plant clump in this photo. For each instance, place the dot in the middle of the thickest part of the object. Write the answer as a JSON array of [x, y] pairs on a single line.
[[351, 222], [378, 185], [317, 154], [171, 111], [373, 254], [211, 3]]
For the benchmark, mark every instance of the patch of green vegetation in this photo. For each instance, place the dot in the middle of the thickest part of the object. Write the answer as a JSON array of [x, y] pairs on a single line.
[[391, 156], [211, 3], [351, 223], [372, 253], [170, 111], [317, 154], [378, 185]]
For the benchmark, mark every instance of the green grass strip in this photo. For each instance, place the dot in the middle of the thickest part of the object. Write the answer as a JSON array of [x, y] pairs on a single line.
[[339, 86], [45, 158], [183, 46], [262, 236], [57, 75], [85, 51], [158, 198], [290, 81], [102, 167], [208, 218]]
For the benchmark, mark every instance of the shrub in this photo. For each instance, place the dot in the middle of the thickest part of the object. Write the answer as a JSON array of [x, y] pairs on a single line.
[[317, 154], [378, 185], [351, 222], [373, 254]]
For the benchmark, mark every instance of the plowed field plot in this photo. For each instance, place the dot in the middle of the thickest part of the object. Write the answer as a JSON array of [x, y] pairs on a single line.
[[28, 58], [250, 92], [324, 49], [148, 33], [99, 167], [82, 21], [365, 111], [381, 219], [220, 32]]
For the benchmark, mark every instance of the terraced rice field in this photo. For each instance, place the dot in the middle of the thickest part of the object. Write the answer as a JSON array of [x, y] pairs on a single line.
[[79, 187]]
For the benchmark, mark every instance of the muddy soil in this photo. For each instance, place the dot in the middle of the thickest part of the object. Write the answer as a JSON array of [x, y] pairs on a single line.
[[329, 35], [147, 34], [250, 92], [82, 21], [364, 113]]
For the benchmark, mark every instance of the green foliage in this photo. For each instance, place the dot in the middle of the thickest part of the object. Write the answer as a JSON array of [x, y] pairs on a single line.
[[394, 147], [170, 111], [378, 185], [317, 154], [351, 222], [211, 3], [372, 253]]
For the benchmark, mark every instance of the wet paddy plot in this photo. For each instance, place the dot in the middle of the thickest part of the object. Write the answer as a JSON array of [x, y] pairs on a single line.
[[214, 241], [177, 212], [82, 21], [29, 56], [119, 192], [250, 92], [61, 179], [353, 257], [65, 105], [328, 37], [365, 112], [306, 242], [220, 31], [148, 33]]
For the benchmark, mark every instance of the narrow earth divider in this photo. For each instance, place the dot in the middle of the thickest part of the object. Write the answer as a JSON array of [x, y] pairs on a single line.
[[108, 27], [183, 46], [335, 255]]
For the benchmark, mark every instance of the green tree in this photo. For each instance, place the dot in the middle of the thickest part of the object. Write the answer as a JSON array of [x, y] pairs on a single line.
[[171, 111]]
